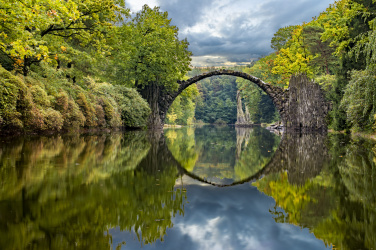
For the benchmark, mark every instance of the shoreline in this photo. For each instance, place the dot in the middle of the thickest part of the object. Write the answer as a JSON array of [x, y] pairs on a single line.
[[66, 132], [369, 136]]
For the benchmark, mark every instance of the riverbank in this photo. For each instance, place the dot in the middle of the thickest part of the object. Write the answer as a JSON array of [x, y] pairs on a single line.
[[49, 102]]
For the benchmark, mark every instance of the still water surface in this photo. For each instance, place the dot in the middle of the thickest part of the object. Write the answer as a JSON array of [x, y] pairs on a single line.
[[190, 188]]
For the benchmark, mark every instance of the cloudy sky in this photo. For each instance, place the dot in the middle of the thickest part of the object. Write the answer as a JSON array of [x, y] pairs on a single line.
[[224, 32]]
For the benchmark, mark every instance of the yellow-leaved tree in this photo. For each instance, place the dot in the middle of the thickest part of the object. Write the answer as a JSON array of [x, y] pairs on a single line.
[[294, 57], [45, 30]]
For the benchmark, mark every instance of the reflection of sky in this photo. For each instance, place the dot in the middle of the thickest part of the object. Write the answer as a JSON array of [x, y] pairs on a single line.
[[226, 218]]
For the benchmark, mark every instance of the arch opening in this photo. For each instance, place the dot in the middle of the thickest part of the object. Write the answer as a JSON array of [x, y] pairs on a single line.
[[274, 93]]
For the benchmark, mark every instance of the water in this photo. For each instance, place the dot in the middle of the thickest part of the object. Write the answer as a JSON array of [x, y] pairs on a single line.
[[202, 188]]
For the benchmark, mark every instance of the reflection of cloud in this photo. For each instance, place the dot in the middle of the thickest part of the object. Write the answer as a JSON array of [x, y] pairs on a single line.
[[207, 236], [233, 28], [227, 218]]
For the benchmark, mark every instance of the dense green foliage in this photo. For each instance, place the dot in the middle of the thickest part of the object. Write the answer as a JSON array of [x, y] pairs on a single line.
[[146, 49], [337, 50], [182, 110], [53, 103], [217, 99], [32, 31]]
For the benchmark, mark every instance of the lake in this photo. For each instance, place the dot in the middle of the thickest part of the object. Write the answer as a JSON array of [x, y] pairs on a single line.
[[207, 187]]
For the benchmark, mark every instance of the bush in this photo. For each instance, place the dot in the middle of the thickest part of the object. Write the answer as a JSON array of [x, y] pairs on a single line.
[[35, 119], [220, 122], [99, 112], [53, 120], [126, 102], [40, 96], [62, 102], [87, 109], [359, 100], [73, 118], [134, 109], [12, 104], [45, 100]]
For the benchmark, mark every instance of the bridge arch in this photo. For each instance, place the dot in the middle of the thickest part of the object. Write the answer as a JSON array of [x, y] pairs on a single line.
[[278, 95], [302, 106]]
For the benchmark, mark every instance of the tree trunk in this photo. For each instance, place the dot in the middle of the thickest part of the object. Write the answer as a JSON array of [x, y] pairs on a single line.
[[151, 94]]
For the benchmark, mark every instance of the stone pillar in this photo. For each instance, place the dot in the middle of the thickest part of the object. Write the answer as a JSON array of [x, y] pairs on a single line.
[[242, 119], [307, 107]]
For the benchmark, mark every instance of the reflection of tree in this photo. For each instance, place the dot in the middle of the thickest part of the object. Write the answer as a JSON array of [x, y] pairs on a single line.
[[259, 147], [339, 204], [353, 222], [181, 143], [65, 192]]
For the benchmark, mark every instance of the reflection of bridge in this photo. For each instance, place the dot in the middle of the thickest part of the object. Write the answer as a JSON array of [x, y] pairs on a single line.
[[302, 106], [302, 155]]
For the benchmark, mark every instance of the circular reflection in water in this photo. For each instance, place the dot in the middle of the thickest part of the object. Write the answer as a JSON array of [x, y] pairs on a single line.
[[222, 155]]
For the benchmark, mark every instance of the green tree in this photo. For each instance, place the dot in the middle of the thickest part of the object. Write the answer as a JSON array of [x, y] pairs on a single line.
[[154, 52], [324, 61], [40, 30], [282, 36], [152, 57]]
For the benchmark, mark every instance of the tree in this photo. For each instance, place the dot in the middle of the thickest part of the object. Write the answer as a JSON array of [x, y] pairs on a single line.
[[323, 60], [282, 36], [152, 57], [346, 25], [32, 31], [153, 50], [294, 57]]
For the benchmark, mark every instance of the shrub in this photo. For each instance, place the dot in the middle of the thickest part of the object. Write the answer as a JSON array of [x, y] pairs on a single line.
[[111, 114], [87, 109], [40, 96], [220, 122], [53, 120], [73, 118], [61, 101], [134, 109], [34, 119], [12, 105], [99, 112]]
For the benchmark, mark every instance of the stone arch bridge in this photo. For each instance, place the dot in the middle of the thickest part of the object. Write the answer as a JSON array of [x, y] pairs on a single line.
[[302, 106]]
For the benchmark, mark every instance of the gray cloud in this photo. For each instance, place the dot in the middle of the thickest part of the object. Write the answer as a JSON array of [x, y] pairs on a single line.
[[239, 30]]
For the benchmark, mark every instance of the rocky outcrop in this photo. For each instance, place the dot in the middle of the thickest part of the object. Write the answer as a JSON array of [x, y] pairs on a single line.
[[242, 118], [306, 107]]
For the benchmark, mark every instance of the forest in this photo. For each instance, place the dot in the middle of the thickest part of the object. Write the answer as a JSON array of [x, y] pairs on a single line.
[[83, 64], [74, 65]]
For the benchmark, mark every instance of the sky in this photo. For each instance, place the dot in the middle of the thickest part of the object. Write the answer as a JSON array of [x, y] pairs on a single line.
[[228, 32]]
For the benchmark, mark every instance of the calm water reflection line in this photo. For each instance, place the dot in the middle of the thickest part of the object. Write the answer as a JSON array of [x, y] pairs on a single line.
[[65, 191]]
